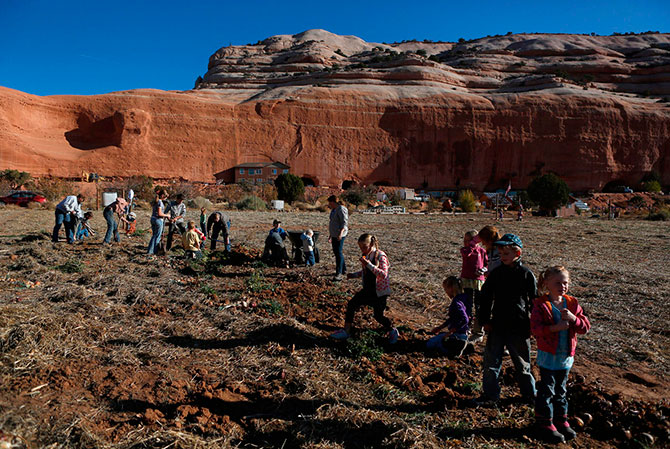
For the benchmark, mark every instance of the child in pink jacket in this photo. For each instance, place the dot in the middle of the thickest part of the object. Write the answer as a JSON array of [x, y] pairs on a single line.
[[376, 288], [555, 321]]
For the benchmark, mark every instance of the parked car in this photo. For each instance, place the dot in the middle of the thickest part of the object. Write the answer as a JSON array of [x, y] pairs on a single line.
[[421, 197], [23, 198]]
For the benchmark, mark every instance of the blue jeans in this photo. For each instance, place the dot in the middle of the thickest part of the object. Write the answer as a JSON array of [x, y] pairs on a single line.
[[81, 233], [519, 351], [156, 232], [112, 227], [338, 247], [452, 347], [551, 401], [309, 258], [64, 218]]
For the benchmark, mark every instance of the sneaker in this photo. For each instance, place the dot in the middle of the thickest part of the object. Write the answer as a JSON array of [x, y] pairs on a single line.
[[565, 430], [549, 434], [340, 334], [393, 336], [337, 278], [476, 340]]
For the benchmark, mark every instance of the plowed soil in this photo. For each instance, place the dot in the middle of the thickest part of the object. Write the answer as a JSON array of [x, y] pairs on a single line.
[[101, 346]]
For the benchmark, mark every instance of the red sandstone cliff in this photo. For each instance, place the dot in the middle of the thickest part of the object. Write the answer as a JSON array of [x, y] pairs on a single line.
[[337, 108]]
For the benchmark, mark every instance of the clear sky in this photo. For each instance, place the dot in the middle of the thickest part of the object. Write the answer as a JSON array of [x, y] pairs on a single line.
[[51, 47]]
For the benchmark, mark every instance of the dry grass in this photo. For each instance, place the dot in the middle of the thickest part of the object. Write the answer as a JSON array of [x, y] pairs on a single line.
[[128, 352]]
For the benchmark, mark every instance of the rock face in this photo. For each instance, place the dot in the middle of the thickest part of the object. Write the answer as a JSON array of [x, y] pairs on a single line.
[[336, 108]]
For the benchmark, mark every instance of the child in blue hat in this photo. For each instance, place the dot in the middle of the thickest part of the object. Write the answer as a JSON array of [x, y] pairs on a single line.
[[506, 300]]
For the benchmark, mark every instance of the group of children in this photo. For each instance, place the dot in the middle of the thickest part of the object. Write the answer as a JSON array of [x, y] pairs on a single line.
[[496, 296]]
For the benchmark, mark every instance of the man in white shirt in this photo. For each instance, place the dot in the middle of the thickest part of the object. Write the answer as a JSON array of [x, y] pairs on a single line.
[[66, 213]]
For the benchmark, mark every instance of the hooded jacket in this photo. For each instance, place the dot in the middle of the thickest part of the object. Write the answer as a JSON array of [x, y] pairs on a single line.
[[541, 318]]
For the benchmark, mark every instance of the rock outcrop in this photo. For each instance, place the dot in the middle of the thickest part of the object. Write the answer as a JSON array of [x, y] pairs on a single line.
[[335, 108]]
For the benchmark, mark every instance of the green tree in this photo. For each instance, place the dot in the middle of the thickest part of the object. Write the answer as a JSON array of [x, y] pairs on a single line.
[[651, 186], [289, 187], [15, 178], [549, 191], [467, 201]]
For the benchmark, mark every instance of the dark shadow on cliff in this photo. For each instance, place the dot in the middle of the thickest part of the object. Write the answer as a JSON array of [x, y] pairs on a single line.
[[92, 134]]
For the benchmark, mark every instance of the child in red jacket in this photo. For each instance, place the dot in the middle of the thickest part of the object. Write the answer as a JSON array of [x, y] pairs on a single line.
[[555, 321]]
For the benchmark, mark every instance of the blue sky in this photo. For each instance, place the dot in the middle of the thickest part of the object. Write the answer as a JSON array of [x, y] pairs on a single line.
[[50, 47]]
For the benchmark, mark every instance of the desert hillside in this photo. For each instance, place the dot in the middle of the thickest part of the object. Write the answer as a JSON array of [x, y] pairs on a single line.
[[468, 114]]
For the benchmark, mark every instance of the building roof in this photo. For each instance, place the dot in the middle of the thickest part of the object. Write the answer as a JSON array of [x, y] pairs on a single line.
[[261, 165]]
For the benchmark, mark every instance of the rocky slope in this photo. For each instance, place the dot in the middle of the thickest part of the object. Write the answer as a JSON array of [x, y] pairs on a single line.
[[335, 108]]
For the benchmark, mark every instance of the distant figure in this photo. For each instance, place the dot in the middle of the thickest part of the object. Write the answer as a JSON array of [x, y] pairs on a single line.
[[118, 208], [376, 289], [519, 214], [308, 247], [338, 228], [555, 321], [177, 213], [191, 242], [453, 342], [66, 214], [158, 216], [85, 230], [218, 223]]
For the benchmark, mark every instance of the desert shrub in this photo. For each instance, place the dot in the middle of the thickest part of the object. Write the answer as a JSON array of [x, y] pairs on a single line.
[[71, 266], [251, 202], [199, 202], [15, 178], [433, 204], [289, 187], [467, 201], [366, 345], [267, 192], [55, 189], [143, 186], [549, 191], [651, 186], [662, 214], [356, 196]]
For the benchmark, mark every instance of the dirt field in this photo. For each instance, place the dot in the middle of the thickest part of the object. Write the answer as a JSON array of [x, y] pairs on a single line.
[[103, 347]]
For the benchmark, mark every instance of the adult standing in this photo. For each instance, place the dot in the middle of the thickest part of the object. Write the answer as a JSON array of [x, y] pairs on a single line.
[[118, 208], [66, 214], [338, 228], [157, 216], [176, 221], [218, 223]]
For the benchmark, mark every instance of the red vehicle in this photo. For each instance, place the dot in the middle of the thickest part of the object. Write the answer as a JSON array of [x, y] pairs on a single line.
[[22, 198]]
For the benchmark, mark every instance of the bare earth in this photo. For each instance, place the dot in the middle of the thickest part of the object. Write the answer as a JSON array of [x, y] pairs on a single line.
[[112, 349]]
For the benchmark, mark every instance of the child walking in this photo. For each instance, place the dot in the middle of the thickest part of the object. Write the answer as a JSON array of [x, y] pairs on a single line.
[[376, 288], [555, 321], [308, 247], [453, 342]]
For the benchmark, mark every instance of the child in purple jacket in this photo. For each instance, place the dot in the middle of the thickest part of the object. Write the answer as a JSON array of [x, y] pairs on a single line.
[[453, 342]]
